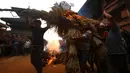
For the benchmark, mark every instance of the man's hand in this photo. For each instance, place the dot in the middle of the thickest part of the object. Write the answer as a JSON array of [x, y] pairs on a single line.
[[107, 15], [109, 21]]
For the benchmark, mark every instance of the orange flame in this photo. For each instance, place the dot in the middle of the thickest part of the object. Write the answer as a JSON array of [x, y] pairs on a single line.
[[53, 48], [50, 61]]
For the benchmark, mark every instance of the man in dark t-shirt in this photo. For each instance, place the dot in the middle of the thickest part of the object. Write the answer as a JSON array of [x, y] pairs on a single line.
[[116, 50], [37, 43]]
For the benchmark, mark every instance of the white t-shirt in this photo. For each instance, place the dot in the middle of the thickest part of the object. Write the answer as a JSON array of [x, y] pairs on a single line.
[[27, 44]]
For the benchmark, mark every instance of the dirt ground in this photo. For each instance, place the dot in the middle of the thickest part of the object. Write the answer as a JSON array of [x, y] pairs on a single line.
[[21, 64]]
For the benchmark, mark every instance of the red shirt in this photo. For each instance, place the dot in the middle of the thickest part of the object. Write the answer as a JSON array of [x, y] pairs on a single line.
[[105, 34]]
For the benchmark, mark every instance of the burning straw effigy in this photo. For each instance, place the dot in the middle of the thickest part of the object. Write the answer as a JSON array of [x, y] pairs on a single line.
[[70, 26]]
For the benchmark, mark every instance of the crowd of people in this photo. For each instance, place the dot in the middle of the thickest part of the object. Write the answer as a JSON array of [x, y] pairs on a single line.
[[109, 55], [12, 44]]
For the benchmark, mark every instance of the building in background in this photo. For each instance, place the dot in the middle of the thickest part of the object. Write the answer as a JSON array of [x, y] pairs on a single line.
[[120, 9]]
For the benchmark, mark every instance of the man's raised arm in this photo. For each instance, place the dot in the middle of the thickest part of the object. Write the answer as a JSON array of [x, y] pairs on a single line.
[[110, 18]]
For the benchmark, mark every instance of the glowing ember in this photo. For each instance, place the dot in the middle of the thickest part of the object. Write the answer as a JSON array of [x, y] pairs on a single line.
[[50, 61]]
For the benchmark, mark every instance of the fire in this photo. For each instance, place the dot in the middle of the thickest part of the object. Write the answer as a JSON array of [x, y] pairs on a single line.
[[50, 61], [53, 48]]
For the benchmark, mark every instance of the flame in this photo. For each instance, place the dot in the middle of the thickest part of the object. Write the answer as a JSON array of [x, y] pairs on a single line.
[[50, 61], [53, 46]]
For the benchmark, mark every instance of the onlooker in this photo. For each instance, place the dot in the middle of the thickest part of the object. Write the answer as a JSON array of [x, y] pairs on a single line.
[[9, 42], [27, 46], [117, 54]]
